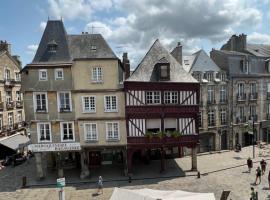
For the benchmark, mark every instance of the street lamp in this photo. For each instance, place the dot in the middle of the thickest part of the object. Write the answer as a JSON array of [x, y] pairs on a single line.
[[251, 123]]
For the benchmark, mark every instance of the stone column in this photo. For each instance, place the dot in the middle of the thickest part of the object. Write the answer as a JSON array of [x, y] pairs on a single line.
[[194, 159], [40, 171], [84, 165]]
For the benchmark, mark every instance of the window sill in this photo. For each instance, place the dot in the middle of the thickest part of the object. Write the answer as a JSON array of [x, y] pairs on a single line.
[[42, 112], [91, 141], [113, 140], [97, 82], [67, 141], [44, 141], [89, 112], [67, 111], [111, 111]]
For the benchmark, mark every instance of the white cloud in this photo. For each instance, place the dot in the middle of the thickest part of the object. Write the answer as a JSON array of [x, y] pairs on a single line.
[[42, 25], [31, 49], [258, 38]]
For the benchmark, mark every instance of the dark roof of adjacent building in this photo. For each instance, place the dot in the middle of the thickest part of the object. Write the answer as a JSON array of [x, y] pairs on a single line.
[[156, 54], [260, 50], [87, 46], [54, 35]]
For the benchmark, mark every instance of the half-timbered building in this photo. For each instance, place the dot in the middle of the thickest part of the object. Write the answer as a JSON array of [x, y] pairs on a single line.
[[161, 107]]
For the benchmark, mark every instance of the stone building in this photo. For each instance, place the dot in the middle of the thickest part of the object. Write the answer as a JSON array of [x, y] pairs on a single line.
[[12, 125], [74, 102], [213, 116], [247, 67]]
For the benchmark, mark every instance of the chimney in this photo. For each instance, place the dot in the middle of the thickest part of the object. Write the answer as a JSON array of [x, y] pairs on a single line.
[[177, 53], [126, 65], [4, 46]]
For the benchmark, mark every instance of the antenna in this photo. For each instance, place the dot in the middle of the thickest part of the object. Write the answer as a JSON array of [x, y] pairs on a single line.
[[93, 27]]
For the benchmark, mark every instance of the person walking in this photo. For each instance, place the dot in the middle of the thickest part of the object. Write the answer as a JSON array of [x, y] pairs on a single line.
[[100, 185], [263, 165], [249, 164], [253, 195], [258, 175]]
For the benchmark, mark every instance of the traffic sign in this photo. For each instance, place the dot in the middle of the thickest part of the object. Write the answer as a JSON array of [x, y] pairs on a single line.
[[61, 182]]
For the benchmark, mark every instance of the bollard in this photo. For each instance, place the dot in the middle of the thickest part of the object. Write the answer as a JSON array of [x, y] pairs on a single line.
[[129, 179], [199, 175], [23, 181]]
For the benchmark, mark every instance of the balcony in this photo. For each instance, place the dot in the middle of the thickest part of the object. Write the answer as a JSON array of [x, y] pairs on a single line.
[[12, 127], [9, 83], [241, 120], [19, 104], [10, 105], [212, 124], [211, 102], [253, 117], [65, 109], [253, 96], [268, 96], [241, 97], [223, 122]]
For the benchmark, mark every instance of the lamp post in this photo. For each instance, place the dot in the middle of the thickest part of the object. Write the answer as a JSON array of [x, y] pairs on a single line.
[[251, 123]]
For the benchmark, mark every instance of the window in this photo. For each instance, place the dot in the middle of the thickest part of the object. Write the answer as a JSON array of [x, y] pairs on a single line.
[[223, 119], [67, 132], [153, 97], [7, 74], [253, 91], [211, 118], [19, 116], [18, 96], [210, 94], [244, 66], [8, 96], [197, 76], [252, 111], [164, 72], [267, 63], [89, 104], [44, 132], [59, 74], [240, 91], [223, 93], [210, 76], [110, 103], [170, 97], [43, 75], [93, 47], [10, 121], [112, 131], [242, 114], [90, 132], [17, 76], [64, 102], [41, 102], [200, 119], [97, 75], [223, 77]]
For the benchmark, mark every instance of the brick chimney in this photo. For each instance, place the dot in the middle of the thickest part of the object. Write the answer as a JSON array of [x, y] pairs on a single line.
[[177, 53], [236, 43], [126, 65], [4, 46]]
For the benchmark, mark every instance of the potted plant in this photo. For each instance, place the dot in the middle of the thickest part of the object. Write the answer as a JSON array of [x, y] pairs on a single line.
[[160, 134], [149, 134]]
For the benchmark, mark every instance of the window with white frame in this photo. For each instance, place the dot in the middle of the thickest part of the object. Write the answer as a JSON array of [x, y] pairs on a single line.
[[67, 131], [242, 113], [112, 131], [40, 99], [10, 120], [223, 93], [210, 93], [223, 77], [97, 75], [240, 90], [17, 76], [18, 96], [223, 119], [59, 74], [43, 76], [210, 76], [110, 103], [89, 104], [8, 96], [253, 90], [64, 102], [170, 97], [211, 118], [44, 132], [90, 132], [153, 97], [252, 111], [7, 74], [19, 116]]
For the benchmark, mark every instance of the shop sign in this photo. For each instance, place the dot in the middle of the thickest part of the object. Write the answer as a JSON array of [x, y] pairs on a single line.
[[75, 146], [61, 182]]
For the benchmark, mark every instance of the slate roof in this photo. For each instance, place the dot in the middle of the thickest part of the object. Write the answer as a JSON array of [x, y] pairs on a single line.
[[200, 61], [54, 33], [80, 46], [145, 70], [260, 50]]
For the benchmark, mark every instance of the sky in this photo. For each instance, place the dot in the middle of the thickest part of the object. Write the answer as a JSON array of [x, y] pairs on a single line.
[[133, 25]]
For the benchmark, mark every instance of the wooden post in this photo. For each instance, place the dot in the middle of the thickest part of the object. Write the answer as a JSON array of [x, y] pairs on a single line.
[[194, 159]]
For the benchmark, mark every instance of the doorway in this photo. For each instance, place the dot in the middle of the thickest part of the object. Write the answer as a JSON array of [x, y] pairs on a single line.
[[94, 158], [224, 143]]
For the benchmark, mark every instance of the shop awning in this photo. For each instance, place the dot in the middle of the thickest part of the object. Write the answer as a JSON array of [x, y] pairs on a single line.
[[15, 141]]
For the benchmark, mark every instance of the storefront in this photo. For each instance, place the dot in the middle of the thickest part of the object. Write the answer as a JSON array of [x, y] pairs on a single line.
[[265, 134]]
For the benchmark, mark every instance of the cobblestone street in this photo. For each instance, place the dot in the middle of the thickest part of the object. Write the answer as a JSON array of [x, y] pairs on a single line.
[[220, 171]]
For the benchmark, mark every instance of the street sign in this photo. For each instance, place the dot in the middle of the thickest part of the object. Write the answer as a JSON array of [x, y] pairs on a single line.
[[61, 182]]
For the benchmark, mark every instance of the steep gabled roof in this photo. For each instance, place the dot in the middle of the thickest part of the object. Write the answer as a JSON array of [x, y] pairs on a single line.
[[87, 46], [260, 50], [156, 54], [54, 34], [203, 62]]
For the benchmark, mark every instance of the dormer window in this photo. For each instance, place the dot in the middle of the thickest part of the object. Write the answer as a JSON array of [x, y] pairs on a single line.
[[93, 47], [52, 46], [267, 65], [210, 76], [164, 72]]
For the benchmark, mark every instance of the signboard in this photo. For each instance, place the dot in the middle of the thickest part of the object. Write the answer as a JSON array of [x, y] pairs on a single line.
[[75, 146], [61, 182]]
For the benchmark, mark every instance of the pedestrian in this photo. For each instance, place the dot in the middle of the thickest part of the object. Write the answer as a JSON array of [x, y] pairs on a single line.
[[253, 195], [100, 185], [269, 179], [249, 164], [263, 166], [258, 175]]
